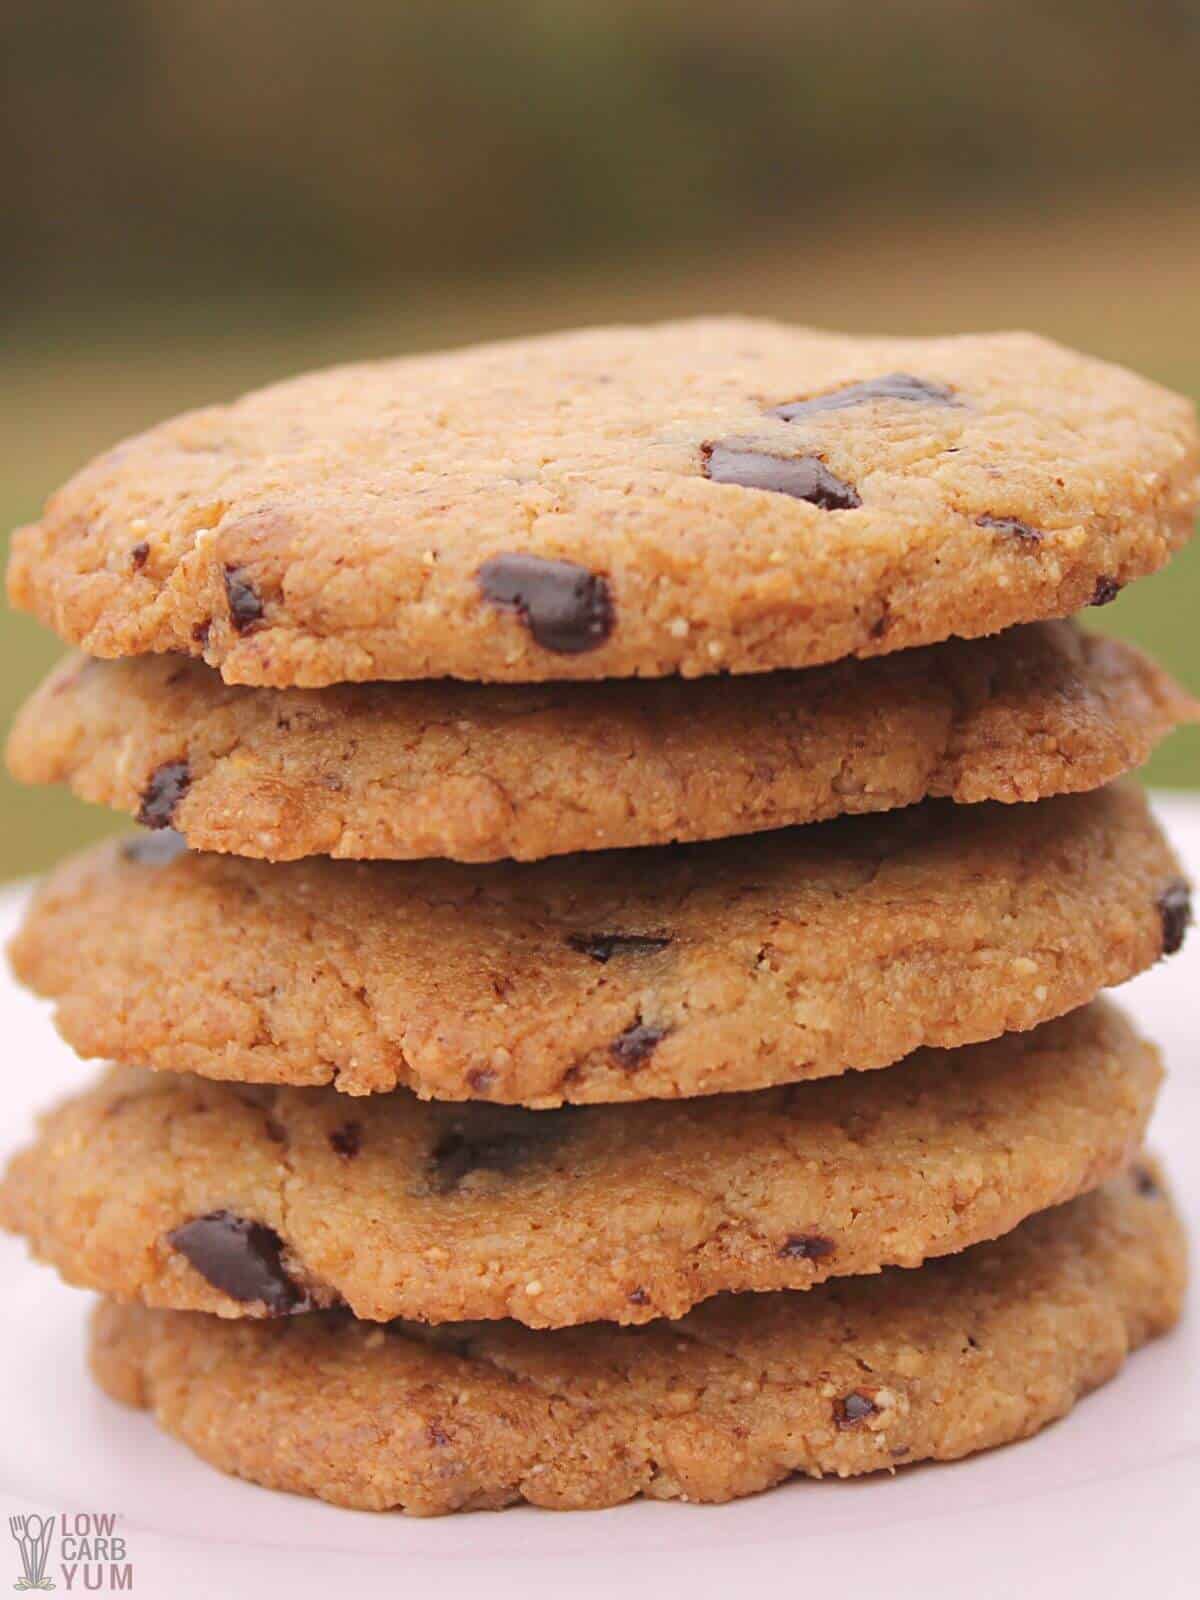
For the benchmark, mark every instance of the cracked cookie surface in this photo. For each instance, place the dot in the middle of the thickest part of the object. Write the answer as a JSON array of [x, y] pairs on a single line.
[[624, 975], [482, 772], [694, 497], [216, 1197], [858, 1375]]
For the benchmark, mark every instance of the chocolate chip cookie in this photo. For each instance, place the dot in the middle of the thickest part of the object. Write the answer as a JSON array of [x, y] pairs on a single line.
[[481, 772], [860, 1375], [217, 1197], [623, 975], [697, 497]]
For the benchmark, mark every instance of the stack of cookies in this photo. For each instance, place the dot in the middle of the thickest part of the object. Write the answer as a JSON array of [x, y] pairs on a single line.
[[671, 1061]]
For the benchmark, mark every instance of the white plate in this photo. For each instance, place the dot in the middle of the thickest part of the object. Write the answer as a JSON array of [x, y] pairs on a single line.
[[1105, 1503]]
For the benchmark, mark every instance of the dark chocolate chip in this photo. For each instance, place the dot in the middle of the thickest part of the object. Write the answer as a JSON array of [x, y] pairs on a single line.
[[242, 1259], [1013, 526], [167, 787], [1175, 909], [155, 850], [245, 602], [807, 1246], [1105, 592], [566, 608], [603, 947], [895, 386], [200, 634], [853, 1408], [1144, 1181], [639, 1297], [347, 1140], [436, 1435], [138, 555], [802, 477], [481, 1079], [490, 1139], [636, 1045]]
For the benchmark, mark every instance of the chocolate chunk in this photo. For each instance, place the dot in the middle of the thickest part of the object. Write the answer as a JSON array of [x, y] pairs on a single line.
[[895, 386], [639, 1297], [802, 477], [1105, 592], [1175, 909], [636, 1045], [242, 1259], [201, 632], [245, 602], [566, 608], [347, 1140], [853, 1408], [1012, 526], [436, 1435], [138, 555], [807, 1246], [167, 787], [603, 947], [481, 1079], [490, 1139], [155, 851], [1144, 1181]]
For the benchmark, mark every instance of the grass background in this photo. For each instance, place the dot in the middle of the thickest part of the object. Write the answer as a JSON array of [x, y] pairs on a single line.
[[204, 195]]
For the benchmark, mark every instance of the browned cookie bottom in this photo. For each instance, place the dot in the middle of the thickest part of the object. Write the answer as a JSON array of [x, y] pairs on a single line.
[[198, 1196], [628, 975], [855, 1376], [480, 772]]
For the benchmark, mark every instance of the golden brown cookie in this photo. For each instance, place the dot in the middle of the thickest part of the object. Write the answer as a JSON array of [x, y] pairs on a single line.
[[481, 772], [623, 975], [257, 1202], [694, 497], [860, 1375]]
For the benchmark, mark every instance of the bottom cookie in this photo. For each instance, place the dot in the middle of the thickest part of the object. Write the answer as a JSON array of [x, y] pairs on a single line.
[[854, 1376]]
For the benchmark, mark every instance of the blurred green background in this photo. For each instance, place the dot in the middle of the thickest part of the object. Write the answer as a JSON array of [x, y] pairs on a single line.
[[202, 195]]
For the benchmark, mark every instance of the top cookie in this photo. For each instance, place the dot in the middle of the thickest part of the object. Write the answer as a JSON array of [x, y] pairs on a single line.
[[694, 497]]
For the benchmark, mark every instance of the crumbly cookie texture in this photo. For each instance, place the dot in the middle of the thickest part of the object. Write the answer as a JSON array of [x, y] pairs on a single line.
[[628, 975], [861, 1375], [482, 772], [217, 1197], [694, 497]]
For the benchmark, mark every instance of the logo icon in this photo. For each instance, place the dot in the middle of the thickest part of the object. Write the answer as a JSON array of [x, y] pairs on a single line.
[[33, 1535]]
